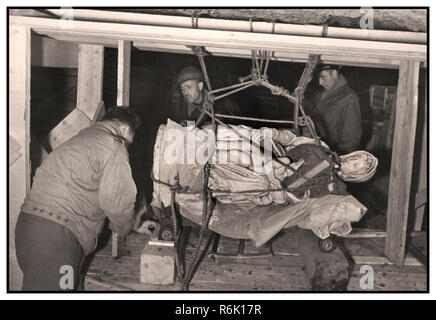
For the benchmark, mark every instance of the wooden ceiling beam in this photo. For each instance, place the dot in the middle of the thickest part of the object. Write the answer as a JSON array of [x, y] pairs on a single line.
[[348, 49]]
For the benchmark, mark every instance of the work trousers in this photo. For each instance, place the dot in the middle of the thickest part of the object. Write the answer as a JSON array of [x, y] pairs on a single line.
[[48, 254]]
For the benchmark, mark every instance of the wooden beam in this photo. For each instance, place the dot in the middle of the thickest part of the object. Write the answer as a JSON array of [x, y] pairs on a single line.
[[358, 233], [123, 99], [90, 79], [244, 25], [234, 53], [123, 76], [402, 161], [111, 43], [14, 150], [90, 106], [409, 261], [38, 153], [277, 56], [421, 196], [75, 121], [229, 39], [19, 128], [48, 52]]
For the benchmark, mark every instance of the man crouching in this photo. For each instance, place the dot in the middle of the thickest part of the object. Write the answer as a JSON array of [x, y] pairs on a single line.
[[83, 181]]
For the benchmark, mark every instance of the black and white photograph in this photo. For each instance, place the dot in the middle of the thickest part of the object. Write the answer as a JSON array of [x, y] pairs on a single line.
[[210, 150]]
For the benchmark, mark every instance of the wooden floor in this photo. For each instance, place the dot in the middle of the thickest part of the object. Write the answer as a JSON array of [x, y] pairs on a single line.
[[283, 272]]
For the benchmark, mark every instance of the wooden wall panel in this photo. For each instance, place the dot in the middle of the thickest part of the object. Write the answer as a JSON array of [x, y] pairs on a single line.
[[19, 129]]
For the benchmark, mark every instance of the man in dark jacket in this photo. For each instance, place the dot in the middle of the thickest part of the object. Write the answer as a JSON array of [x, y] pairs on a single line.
[[337, 115], [83, 181], [191, 84]]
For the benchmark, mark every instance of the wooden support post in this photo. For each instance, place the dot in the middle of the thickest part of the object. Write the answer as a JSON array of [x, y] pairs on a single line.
[[123, 99], [47, 52], [421, 195], [90, 79], [89, 96], [326, 271], [75, 121], [123, 77], [402, 161], [19, 129]]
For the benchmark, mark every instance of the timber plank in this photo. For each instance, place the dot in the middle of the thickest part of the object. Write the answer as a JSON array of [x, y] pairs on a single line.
[[237, 40], [283, 272], [123, 73], [389, 282], [402, 161], [19, 127], [90, 79]]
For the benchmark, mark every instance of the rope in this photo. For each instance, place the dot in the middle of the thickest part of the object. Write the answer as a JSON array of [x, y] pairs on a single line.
[[250, 84], [200, 52], [262, 58], [275, 90], [231, 87], [207, 200], [222, 191], [299, 92], [254, 57], [278, 91], [179, 266], [273, 26], [258, 146], [194, 20], [219, 115], [324, 29], [268, 57]]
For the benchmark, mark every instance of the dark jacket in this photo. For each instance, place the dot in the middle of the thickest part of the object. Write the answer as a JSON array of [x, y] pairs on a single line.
[[325, 182], [84, 180], [337, 118]]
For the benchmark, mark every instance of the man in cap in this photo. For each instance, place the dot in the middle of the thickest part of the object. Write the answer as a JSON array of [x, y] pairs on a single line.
[[192, 87], [337, 114]]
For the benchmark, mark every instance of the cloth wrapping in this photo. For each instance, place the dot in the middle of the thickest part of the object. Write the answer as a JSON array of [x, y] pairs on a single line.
[[324, 215], [171, 160], [256, 216]]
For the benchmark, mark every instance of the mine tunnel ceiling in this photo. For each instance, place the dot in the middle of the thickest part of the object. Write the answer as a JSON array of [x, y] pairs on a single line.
[[384, 19]]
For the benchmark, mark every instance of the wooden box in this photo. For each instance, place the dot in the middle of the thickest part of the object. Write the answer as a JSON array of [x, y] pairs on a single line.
[[157, 263]]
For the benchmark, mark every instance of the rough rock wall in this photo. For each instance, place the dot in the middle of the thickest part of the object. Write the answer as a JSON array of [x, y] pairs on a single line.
[[384, 19]]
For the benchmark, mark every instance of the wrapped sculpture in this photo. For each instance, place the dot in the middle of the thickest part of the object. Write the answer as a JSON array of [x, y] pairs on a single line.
[[253, 185]]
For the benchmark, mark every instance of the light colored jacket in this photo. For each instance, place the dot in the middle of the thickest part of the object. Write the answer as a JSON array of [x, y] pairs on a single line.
[[84, 180]]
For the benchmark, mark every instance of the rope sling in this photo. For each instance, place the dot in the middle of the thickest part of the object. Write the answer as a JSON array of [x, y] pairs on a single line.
[[257, 77]]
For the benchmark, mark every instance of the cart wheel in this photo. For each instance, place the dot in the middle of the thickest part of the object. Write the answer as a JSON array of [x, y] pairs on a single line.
[[327, 245], [166, 233]]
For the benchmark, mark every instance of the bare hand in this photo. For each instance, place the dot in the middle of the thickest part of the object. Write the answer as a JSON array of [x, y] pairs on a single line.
[[148, 227]]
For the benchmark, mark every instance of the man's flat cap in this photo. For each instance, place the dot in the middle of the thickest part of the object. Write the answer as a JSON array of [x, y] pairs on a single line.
[[328, 67]]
